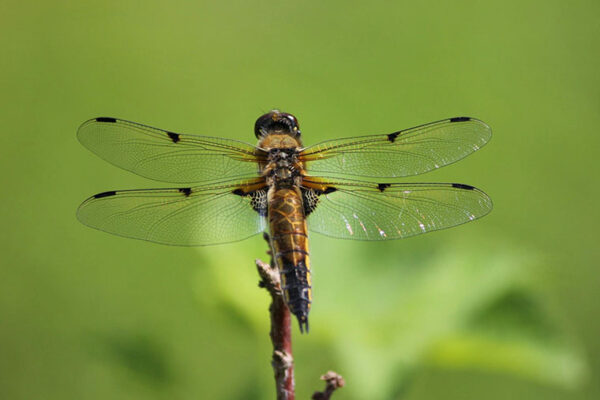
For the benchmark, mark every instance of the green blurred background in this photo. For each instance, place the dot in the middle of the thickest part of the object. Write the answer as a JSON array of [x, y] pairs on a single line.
[[506, 307]]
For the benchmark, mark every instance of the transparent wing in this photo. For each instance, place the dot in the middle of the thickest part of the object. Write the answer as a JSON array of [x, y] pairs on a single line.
[[408, 152], [185, 216], [370, 211], [167, 156]]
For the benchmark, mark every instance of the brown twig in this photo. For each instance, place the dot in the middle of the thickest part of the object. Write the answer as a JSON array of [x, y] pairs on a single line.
[[333, 381], [281, 331]]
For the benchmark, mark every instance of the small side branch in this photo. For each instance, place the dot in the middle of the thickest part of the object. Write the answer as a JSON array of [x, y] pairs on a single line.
[[333, 381], [281, 333]]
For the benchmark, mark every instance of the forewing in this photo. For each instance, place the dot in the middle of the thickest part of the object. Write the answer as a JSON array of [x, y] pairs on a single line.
[[369, 211], [185, 216], [167, 156], [408, 152]]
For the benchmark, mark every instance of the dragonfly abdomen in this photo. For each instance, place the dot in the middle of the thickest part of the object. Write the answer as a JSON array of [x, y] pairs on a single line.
[[290, 249]]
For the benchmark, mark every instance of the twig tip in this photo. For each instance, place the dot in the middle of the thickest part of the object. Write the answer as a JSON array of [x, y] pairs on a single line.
[[333, 381]]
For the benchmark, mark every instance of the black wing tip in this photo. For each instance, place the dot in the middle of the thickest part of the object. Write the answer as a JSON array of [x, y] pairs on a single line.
[[104, 194], [329, 189], [460, 119], [106, 119], [463, 186], [302, 322]]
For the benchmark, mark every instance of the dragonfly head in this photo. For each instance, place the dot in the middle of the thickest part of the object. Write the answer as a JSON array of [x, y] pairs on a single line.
[[276, 122]]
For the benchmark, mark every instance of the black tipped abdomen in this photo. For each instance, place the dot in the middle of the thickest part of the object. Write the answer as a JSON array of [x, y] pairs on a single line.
[[296, 288], [289, 242]]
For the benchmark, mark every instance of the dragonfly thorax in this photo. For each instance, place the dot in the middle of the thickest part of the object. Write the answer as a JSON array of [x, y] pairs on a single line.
[[283, 168]]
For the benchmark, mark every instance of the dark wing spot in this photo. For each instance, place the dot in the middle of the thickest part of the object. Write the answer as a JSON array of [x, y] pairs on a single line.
[[258, 200], [106, 119], [460, 119], [105, 194], [173, 136], [310, 200], [383, 186], [186, 191], [462, 186], [393, 136]]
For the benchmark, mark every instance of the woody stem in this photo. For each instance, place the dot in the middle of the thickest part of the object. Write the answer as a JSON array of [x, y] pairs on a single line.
[[281, 332]]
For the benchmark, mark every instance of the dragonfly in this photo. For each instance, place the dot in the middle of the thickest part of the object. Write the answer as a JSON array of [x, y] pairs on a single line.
[[227, 190]]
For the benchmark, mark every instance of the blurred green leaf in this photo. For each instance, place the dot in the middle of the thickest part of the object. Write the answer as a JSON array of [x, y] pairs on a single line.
[[456, 308], [514, 334], [141, 355]]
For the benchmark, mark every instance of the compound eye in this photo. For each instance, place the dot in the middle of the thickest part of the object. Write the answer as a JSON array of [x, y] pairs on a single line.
[[293, 123], [276, 121], [293, 120], [262, 124]]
